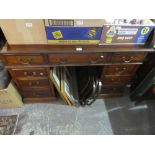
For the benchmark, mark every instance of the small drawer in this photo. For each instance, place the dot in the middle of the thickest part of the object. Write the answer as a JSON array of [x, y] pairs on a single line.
[[128, 57], [34, 83], [31, 72], [37, 93], [112, 89], [77, 58], [153, 90], [24, 60], [119, 80], [119, 69]]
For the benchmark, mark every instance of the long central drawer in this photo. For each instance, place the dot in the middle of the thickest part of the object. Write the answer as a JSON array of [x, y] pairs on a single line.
[[80, 58]]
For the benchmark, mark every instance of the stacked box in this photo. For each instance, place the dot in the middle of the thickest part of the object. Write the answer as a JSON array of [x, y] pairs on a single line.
[[126, 32], [80, 31]]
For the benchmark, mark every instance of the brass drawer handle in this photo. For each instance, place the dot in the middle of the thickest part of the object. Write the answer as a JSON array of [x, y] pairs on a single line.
[[41, 74], [116, 80], [94, 60], [37, 94], [121, 71], [25, 61], [35, 83], [127, 60], [30, 83], [33, 74], [63, 60], [97, 60], [25, 73]]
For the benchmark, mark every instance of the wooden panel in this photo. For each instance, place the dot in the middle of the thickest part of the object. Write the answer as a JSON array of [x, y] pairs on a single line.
[[24, 60], [118, 80], [127, 57], [110, 95], [119, 70], [39, 100], [112, 89], [153, 89], [1, 57], [24, 31], [29, 72], [37, 93], [77, 58], [34, 83]]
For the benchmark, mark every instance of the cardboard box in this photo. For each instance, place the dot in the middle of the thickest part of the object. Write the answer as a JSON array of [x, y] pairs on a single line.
[[10, 98], [87, 31], [24, 31], [125, 32]]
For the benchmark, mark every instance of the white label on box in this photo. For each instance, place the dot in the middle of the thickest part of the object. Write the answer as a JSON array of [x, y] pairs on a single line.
[[127, 31], [79, 22], [28, 24]]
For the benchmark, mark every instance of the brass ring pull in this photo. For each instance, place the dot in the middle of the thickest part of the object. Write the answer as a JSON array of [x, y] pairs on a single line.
[[34, 73], [94, 61], [63, 60], [122, 71], [25, 61], [37, 82], [37, 94], [25, 73], [127, 60], [30, 83]]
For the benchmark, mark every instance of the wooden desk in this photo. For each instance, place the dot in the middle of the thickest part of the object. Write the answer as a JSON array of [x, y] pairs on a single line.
[[29, 66]]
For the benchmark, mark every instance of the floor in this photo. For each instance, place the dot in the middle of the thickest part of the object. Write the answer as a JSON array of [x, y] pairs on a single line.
[[104, 117], [128, 119], [59, 119]]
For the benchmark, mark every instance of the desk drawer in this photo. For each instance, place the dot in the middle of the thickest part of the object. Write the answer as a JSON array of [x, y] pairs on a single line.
[[37, 93], [34, 83], [116, 80], [77, 58], [128, 57], [112, 89], [30, 72], [24, 60], [119, 69]]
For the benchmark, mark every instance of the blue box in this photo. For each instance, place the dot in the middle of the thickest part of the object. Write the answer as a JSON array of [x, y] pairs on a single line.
[[74, 31]]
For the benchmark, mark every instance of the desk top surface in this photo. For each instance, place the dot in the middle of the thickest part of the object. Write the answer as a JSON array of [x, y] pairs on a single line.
[[71, 49]]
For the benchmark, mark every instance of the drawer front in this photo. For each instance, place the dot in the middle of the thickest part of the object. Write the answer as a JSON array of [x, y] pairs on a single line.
[[38, 93], [77, 58], [119, 70], [128, 57], [34, 83], [24, 60], [34, 72], [153, 90], [112, 89], [118, 80]]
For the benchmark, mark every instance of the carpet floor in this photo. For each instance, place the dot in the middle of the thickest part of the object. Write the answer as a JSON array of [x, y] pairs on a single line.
[[56, 118]]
